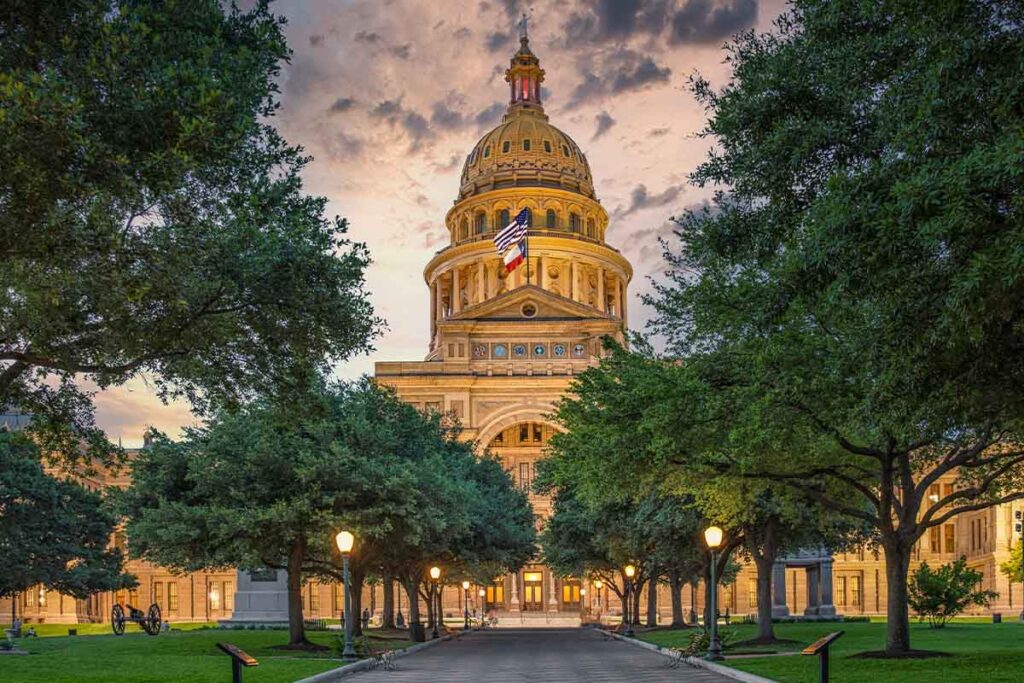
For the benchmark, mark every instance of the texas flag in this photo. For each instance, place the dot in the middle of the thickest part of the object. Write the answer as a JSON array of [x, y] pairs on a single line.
[[515, 255]]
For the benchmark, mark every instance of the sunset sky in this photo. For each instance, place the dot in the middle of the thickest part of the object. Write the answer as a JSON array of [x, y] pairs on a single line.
[[390, 96]]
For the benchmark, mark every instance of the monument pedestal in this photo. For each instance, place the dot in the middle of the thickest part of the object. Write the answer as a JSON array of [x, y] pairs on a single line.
[[261, 598]]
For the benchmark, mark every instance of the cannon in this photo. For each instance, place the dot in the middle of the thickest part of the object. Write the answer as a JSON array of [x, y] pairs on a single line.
[[150, 621]]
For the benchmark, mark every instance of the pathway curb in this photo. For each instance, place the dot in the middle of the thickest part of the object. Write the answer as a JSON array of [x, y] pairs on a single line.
[[334, 674], [720, 669]]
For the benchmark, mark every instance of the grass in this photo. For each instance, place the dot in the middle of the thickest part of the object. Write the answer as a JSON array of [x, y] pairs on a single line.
[[981, 651], [185, 655]]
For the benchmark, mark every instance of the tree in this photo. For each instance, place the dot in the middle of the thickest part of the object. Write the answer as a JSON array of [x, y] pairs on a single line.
[[852, 293], [1013, 568], [271, 485], [152, 221], [940, 594], [52, 532]]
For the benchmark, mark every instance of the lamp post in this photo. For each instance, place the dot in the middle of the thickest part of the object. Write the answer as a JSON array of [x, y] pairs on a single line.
[[345, 541], [713, 537], [465, 605], [630, 572], [598, 585], [483, 604], [583, 602], [435, 574]]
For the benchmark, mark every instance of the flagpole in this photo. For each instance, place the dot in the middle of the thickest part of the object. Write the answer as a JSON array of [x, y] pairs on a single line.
[[527, 240]]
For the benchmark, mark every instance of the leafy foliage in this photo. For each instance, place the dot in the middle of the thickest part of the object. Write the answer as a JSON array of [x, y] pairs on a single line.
[[152, 221], [52, 532], [940, 594], [1013, 568]]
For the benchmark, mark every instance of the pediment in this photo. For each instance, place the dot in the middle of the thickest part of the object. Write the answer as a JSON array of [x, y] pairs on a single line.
[[510, 306]]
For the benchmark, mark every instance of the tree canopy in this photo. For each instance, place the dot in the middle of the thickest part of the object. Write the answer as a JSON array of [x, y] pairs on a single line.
[[52, 532], [152, 221]]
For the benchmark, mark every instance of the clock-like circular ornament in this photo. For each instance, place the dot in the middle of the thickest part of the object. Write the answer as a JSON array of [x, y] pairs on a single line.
[[558, 350], [519, 350], [539, 350]]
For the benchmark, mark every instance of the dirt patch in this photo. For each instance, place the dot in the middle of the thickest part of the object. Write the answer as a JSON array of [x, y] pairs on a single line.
[[753, 642], [301, 647]]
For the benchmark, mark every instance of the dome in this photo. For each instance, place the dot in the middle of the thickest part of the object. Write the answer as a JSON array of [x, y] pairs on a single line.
[[524, 150]]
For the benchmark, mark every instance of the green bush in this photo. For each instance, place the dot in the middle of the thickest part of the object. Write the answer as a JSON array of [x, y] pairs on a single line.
[[940, 594]]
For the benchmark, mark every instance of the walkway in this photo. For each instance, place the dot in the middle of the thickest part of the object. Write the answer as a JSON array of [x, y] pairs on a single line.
[[536, 655]]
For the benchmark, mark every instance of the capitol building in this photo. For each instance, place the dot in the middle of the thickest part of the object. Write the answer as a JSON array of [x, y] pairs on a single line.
[[503, 349]]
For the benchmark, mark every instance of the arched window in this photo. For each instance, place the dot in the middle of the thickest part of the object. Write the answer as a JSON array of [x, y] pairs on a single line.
[[574, 222], [487, 151], [590, 228], [505, 146], [551, 218], [464, 229], [526, 145], [481, 222], [529, 216], [547, 146], [565, 150], [502, 219]]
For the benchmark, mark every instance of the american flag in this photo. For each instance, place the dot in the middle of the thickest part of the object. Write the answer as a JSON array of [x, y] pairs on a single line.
[[514, 232]]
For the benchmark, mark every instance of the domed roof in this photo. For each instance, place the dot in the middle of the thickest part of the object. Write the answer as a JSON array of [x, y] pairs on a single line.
[[525, 150]]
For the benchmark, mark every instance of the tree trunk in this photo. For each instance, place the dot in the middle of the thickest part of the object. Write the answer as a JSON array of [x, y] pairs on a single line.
[[897, 563], [428, 597], [652, 603], [388, 606], [765, 629], [412, 593], [634, 608], [296, 556], [356, 579], [675, 589]]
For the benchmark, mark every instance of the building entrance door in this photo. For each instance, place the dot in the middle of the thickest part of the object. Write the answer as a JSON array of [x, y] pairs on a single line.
[[532, 591], [571, 594], [495, 598]]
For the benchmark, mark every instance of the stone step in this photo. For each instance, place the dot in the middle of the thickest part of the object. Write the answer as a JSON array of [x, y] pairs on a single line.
[[537, 620]]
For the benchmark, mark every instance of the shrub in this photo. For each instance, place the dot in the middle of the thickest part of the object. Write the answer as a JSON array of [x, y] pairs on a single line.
[[940, 594]]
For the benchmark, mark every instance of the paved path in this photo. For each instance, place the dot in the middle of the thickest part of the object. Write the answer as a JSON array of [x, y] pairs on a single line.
[[536, 655]]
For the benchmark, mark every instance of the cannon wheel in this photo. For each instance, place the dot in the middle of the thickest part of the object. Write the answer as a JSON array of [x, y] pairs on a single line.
[[151, 624], [117, 620]]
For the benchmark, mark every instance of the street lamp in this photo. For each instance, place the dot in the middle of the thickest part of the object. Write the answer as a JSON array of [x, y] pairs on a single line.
[[465, 605], [713, 537], [483, 604], [583, 602], [345, 541], [598, 585], [435, 574], [630, 571]]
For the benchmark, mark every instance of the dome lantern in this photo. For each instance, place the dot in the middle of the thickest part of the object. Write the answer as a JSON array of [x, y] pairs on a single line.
[[524, 76]]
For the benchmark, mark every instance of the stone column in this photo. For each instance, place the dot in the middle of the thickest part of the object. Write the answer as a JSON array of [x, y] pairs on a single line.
[[601, 303], [623, 299], [618, 298], [542, 273], [481, 291], [513, 603], [456, 291], [574, 277], [433, 315], [439, 297], [552, 595], [827, 608], [812, 592], [779, 608]]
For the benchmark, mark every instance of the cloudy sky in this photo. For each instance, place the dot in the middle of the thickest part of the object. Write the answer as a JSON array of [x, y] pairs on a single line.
[[389, 96]]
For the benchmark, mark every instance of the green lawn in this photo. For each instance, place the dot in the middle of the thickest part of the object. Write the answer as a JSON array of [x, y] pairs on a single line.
[[188, 655], [982, 652]]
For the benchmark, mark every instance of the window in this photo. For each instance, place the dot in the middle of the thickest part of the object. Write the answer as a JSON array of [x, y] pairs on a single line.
[[464, 229], [537, 433], [574, 222], [950, 530], [936, 539], [526, 475], [551, 218], [314, 598], [496, 594], [503, 219], [215, 597], [487, 151], [591, 231], [229, 596], [172, 596], [752, 593], [855, 597], [133, 597], [840, 596], [480, 222], [526, 145], [547, 146], [339, 597], [505, 146], [565, 150], [158, 593]]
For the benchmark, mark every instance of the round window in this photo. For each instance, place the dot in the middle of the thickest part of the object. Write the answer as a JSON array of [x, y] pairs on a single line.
[[528, 310]]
